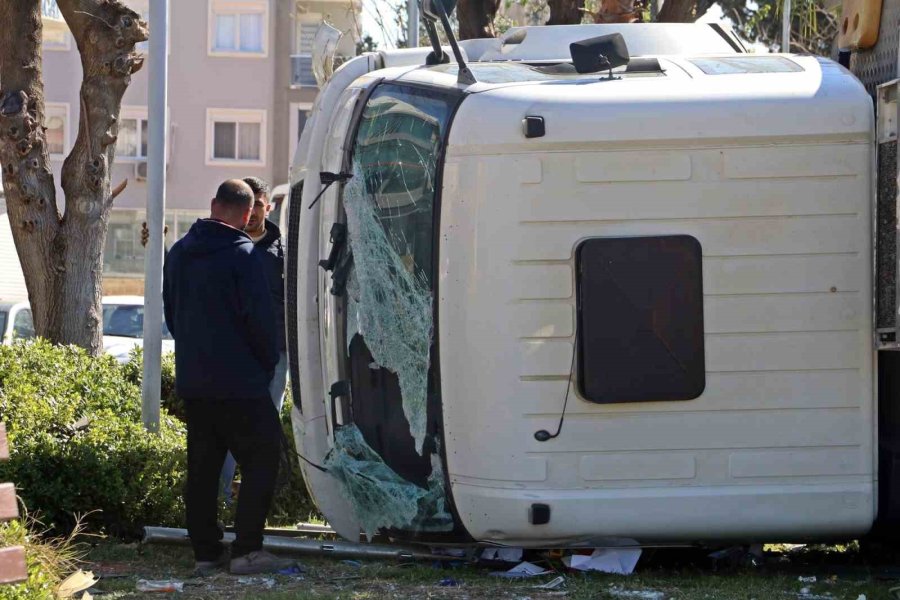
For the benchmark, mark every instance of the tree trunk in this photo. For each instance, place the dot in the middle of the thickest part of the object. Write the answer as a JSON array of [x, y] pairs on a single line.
[[565, 12], [62, 255], [476, 18], [617, 11], [678, 11]]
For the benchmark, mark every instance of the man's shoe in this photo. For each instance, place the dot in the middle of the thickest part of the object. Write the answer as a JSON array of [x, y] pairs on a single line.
[[205, 568], [259, 562]]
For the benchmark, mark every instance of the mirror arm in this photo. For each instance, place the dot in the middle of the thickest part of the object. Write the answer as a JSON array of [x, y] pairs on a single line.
[[435, 41]]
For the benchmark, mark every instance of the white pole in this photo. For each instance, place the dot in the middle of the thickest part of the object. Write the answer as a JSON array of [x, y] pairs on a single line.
[[156, 209], [786, 26], [412, 34]]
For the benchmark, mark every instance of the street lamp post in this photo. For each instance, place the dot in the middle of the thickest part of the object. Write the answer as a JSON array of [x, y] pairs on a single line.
[[156, 208]]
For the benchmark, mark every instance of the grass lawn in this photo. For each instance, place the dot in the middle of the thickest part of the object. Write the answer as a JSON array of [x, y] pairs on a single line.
[[840, 573]]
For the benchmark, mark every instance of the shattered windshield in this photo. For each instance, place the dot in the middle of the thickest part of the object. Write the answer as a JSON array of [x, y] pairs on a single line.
[[388, 459]]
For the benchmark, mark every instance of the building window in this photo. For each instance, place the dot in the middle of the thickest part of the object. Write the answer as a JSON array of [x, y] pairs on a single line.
[[56, 34], [236, 136], [301, 61], [299, 115], [238, 27], [132, 140], [56, 120], [123, 254]]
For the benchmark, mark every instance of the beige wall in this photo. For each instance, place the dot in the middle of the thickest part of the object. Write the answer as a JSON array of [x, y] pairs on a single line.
[[198, 81]]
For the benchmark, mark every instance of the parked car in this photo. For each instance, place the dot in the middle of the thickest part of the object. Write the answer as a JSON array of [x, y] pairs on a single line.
[[15, 322], [123, 326]]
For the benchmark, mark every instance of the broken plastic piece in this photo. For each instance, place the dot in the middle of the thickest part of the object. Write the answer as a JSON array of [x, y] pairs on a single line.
[[503, 554], [521, 570], [164, 585], [619, 561]]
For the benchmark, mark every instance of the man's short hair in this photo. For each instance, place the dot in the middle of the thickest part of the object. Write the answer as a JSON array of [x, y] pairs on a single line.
[[259, 186], [235, 194]]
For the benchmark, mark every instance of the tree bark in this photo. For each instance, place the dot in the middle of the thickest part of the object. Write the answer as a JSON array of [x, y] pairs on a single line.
[[678, 11], [617, 11], [62, 255], [565, 12], [476, 18]]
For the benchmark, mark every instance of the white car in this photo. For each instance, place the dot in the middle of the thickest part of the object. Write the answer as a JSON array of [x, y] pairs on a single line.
[[123, 327], [15, 322]]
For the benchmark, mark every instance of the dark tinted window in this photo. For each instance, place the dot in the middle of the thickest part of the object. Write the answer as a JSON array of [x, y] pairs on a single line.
[[640, 319]]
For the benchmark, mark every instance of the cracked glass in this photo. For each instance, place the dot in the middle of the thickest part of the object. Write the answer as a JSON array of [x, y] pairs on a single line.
[[388, 460]]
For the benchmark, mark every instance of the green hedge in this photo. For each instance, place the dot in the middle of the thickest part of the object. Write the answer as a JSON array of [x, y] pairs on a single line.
[[78, 446]]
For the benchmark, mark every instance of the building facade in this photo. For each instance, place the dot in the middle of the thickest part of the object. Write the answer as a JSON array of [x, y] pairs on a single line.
[[240, 87]]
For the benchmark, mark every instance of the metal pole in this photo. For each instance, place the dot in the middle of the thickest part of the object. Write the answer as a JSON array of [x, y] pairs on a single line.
[[786, 26], [336, 548], [412, 34], [156, 208]]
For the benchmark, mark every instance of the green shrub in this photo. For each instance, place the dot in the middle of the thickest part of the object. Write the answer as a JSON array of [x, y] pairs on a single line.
[[77, 444], [134, 372]]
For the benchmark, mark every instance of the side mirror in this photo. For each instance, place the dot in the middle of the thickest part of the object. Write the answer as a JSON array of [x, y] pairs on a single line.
[[431, 9], [599, 53]]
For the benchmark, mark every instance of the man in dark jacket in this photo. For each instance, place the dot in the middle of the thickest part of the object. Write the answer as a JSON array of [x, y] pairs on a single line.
[[219, 310], [267, 245]]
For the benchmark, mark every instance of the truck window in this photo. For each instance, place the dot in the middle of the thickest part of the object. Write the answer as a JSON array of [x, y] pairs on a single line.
[[640, 319], [391, 218]]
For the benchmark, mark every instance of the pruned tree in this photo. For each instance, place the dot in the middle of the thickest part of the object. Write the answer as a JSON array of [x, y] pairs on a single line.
[[476, 18], [565, 12], [62, 252]]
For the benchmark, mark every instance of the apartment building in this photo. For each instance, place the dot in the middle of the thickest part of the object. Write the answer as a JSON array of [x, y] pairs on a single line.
[[240, 87]]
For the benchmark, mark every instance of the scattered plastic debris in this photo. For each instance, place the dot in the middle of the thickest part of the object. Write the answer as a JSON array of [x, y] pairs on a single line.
[[292, 570], [503, 554], [620, 561], [805, 591], [352, 563], [639, 594], [811, 579], [861, 597], [78, 581], [448, 582], [266, 582], [521, 570], [552, 584], [161, 585]]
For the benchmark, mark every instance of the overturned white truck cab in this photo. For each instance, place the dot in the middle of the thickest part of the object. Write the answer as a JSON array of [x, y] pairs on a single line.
[[538, 307]]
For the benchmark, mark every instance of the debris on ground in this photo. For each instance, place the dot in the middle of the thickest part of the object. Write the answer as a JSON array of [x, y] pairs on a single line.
[[266, 582], [811, 579], [521, 570], [78, 581], [448, 582], [605, 560], [552, 584], [503, 554], [619, 592], [160, 585]]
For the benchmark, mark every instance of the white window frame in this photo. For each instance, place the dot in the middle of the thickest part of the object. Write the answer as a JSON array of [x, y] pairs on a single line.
[[294, 126], [67, 140], [133, 112], [237, 7], [235, 115]]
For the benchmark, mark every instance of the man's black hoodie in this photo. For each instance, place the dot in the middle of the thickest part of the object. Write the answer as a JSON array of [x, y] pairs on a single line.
[[271, 251], [219, 310]]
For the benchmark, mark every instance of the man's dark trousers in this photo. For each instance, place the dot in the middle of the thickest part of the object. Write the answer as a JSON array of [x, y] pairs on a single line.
[[251, 430]]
